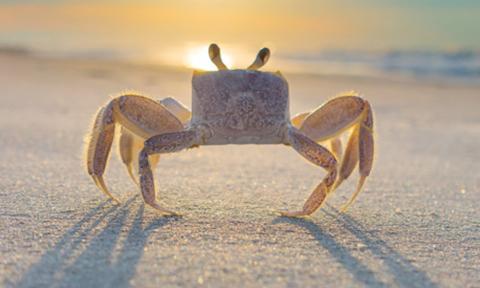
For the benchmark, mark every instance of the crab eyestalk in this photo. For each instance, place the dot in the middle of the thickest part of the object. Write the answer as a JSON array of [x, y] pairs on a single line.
[[214, 53], [262, 58]]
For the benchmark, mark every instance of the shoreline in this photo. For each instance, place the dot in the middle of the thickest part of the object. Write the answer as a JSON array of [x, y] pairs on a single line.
[[18, 52]]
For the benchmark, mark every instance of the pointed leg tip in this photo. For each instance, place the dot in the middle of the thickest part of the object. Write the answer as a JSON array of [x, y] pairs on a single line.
[[165, 212], [130, 172], [116, 201], [343, 209], [350, 201], [169, 213], [292, 214], [173, 215], [101, 185], [279, 213]]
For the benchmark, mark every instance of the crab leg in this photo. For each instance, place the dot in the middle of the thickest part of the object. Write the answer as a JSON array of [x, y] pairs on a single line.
[[126, 149], [140, 115], [337, 116], [333, 118], [335, 143], [177, 109], [365, 154], [129, 145], [98, 147], [350, 159], [298, 119], [336, 147], [163, 143], [320, 156]]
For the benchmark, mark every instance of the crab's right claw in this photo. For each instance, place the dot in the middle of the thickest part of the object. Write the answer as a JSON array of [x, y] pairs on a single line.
[[128, 111]]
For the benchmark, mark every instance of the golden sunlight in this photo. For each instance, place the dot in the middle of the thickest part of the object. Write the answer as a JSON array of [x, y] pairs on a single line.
[[197, 58]]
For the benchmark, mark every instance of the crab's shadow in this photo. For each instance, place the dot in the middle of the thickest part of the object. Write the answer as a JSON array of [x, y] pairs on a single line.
[[101, 250], [402, 271]]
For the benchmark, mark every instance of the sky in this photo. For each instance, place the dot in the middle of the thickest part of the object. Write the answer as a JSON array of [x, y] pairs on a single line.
[[163, 29]]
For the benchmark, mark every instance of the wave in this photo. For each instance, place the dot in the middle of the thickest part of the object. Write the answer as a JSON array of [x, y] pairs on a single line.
[[456, 64]]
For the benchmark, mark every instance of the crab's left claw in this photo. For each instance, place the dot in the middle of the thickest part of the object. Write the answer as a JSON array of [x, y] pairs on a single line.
[[327, 123], [354, 112]]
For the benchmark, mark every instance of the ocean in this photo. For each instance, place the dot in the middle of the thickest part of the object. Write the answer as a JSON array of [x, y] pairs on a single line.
[[459, 65]]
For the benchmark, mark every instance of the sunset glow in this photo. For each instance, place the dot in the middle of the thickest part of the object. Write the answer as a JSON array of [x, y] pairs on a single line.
[[197, 58]]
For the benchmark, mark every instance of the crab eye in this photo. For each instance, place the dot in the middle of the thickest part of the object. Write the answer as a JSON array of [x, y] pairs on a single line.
[[262, 58], [214, 54]]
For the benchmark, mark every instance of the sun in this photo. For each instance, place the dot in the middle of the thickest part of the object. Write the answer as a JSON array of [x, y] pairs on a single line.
[[197, 58]]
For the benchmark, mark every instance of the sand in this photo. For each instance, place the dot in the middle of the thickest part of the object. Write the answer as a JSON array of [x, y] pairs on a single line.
[[417, 223]]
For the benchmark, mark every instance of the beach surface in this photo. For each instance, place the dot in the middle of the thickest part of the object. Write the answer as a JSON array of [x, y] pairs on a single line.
[[417, 224]]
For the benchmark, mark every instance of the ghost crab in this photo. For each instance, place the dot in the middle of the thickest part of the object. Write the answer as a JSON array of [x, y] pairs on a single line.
[[243, 106]]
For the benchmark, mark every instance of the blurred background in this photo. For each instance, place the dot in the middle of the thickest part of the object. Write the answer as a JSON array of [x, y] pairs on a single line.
[[416, 224], [432, 38]]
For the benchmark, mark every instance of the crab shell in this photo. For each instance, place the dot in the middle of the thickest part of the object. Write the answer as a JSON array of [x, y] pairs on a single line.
[[240, 106]]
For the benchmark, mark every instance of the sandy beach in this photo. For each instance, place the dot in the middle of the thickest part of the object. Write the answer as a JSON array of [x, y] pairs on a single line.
[[417, 224]]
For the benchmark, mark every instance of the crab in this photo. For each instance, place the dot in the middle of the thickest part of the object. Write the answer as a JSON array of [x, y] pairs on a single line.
[[241, 106]]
